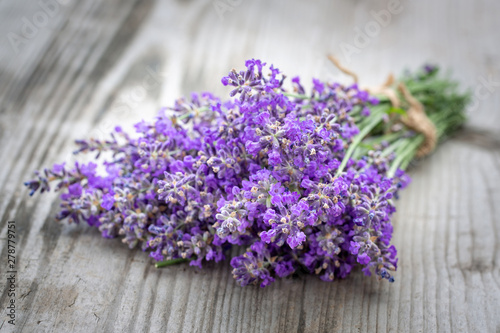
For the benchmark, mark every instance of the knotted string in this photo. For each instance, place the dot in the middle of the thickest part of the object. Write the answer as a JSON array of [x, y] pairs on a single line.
[[342, 68], [417, 120], [415, 117]]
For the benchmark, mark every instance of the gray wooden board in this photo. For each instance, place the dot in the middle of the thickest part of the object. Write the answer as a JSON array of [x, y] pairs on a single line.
[[82, 70]]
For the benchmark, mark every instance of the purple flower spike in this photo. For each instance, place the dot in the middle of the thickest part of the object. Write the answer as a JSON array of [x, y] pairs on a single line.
[[281, 172]]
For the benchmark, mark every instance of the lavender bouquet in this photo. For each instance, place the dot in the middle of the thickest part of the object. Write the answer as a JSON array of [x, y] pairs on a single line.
[[305, 180]]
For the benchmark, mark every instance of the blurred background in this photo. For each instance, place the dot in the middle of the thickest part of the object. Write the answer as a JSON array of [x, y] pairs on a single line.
[[74, 69]]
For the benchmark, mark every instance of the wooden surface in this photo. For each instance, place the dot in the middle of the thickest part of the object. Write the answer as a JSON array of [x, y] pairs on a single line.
[[84, 70]]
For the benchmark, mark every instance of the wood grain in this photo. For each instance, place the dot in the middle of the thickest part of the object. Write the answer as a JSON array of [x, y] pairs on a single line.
[[84, 71]]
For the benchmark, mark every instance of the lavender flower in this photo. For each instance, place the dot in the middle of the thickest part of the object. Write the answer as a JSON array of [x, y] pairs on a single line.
[[280, 172]]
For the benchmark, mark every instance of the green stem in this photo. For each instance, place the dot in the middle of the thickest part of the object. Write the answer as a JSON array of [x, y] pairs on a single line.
[[392, 147], [405, 163], [170, 262], [406, 151], [374, 120]]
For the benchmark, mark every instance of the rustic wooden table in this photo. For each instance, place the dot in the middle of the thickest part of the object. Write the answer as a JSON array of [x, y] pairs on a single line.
[[71, 69]]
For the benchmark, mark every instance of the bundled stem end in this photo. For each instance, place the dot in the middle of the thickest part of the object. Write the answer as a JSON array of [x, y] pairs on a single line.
[[432, 109]]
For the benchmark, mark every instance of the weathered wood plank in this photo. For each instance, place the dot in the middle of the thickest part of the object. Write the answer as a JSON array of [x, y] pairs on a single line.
[[84, 71]]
